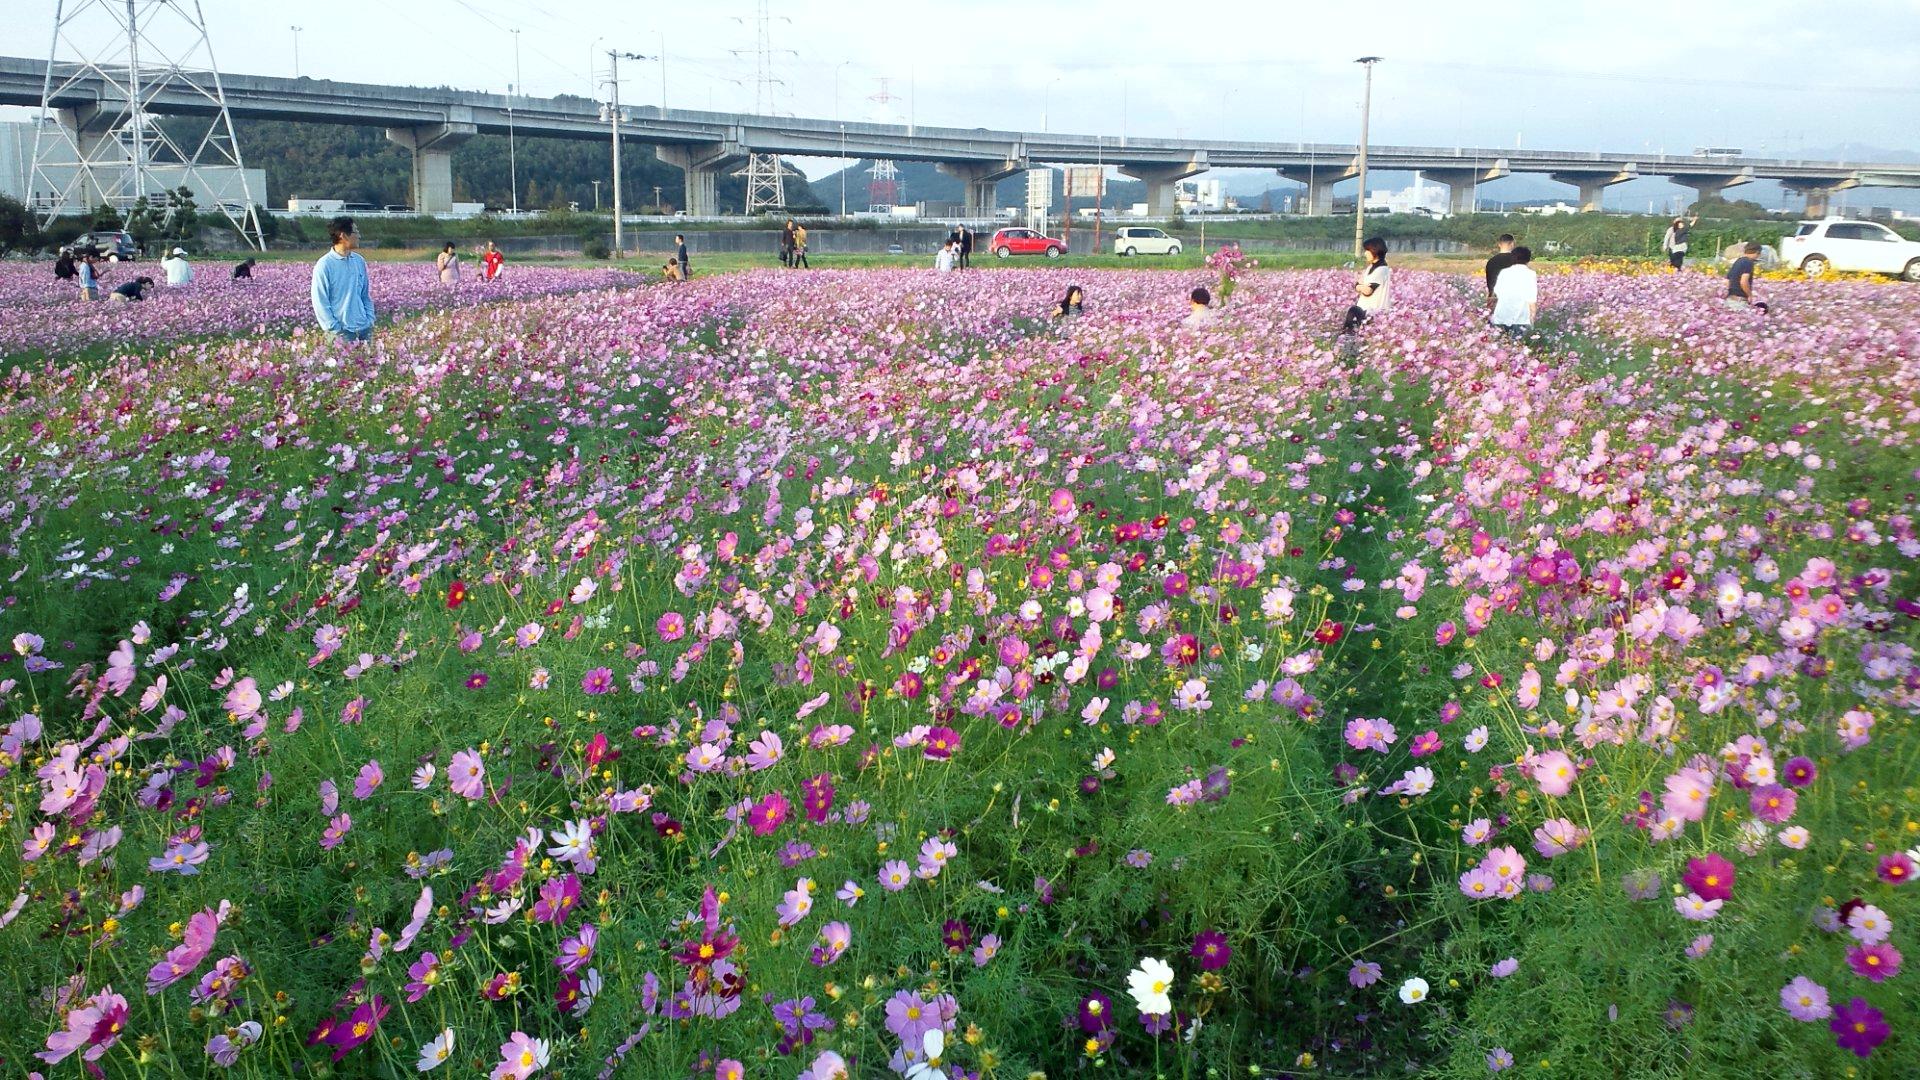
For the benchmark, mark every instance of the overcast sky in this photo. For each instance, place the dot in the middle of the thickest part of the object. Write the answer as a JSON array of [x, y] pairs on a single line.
[[1769, 76]]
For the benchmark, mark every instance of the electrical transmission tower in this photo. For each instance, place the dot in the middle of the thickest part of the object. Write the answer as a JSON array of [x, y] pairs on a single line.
[[883, 191], [766, 175], [112, 149]]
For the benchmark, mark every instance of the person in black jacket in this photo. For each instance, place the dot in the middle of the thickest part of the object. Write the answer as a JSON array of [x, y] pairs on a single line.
[[64, 268], [244, 271], [680, 255], [966, 247], [1501, 259]]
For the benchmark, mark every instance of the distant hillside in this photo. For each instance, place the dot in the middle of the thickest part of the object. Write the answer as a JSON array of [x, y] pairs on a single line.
[[359, 164]]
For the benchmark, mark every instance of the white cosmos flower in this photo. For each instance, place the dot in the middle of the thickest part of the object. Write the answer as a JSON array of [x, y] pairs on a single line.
[[934, 1043], [1414, 990], [435, 1054], [1149, 984]]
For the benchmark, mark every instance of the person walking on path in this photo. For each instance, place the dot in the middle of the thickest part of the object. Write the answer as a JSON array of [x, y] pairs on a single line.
[[1516, 300], [1374, 286], [342, 299], [800, 248], [1502, 258], [179, 271], [491, 262], [89, 276], [786, 244], [449, 265], [966, 247], [680, 255], [1740, 279], [1674, 243]]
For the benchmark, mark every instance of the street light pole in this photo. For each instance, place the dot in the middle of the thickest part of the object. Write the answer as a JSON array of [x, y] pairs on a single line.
[[596, 196], [1046, 105], [843, 170], [513, 164], [296, 52], [1366, 113]]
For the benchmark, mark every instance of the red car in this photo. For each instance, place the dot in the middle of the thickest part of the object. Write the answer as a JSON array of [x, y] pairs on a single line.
[[1025, 242]]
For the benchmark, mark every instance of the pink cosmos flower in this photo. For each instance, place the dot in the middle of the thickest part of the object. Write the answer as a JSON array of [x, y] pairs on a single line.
[[520, 1057], [1554, 772], [1805, 999], [369, 780], [93, 1027], [1712, 876], [769, 813], [467, 776], [1363, 973]]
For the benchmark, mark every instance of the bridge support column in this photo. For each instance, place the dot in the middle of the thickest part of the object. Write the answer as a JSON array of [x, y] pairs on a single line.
[[101, 159], [1592, 185], [433, 146], [1317, 200], [980, 178], [1709, 186], [1162, 182], [702, 162], [1462, 182], [1819, 193]]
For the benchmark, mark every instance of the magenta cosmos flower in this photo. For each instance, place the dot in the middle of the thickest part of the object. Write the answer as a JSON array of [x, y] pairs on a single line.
[[1896, 869], [1711, 877], [769, 813], [598, 681], [1877, 963], [1211, 949], [1859, 1027]]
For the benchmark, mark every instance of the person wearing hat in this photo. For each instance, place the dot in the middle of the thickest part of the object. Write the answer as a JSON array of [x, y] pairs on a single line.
[[179, 270]]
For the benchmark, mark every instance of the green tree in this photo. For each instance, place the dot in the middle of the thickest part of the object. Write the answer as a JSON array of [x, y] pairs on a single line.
[[183, 218], [106, 217], [17, 227]]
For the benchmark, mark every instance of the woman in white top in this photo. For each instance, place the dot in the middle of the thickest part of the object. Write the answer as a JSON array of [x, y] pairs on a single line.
[[1374, 287], [449, 264], [1674, 243], [1515, 301]]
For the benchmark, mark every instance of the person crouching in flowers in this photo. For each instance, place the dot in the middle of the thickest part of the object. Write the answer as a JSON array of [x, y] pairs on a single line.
[[1374, 287]]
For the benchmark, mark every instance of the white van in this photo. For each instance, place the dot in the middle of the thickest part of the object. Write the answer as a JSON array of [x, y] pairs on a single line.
[[1144, 240]]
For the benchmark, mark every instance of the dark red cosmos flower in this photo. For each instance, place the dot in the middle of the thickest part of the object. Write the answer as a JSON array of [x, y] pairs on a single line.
[[1329, 632], [456, 594]]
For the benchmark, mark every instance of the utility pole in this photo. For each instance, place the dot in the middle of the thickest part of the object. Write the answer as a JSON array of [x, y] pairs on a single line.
[[296, 51], [656, 198], [614, 56], [1366, 113], [513, 164], [843, 170], [596, 196]]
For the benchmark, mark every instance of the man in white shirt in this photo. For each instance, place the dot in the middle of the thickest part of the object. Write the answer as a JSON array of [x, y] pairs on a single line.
[[179, 270], [1516, 295]]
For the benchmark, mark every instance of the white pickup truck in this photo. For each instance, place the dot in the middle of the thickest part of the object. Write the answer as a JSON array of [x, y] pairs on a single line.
[[1835, 244]]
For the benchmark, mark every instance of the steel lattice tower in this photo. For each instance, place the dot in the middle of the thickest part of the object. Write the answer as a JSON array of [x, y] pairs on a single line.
[[883, 191], [112, 150], [766, 175]]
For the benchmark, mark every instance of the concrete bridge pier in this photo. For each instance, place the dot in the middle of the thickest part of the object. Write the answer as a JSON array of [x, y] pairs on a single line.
[[980, 178], [1462, 182], [1161, 181], [703, 163], [1318, 200], [1819, 193], [433, 146], [1592, 185], [1710, 186], [89, 127]]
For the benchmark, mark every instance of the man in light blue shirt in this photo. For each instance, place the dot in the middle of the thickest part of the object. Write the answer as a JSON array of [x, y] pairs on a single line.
[[342, 301]]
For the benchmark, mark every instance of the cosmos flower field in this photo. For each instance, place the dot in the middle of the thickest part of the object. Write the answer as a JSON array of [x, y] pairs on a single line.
[[856, 674]]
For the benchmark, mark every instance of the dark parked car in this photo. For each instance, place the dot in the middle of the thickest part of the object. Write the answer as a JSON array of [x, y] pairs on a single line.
[[116, 246]]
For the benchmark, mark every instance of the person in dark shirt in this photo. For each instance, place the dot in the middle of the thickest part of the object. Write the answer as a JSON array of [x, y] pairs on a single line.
[[966, 248], [134, 290], [1501, 259], [64, 268], [680, 256], [1740, 279], [1070, 304], [244, 271]]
